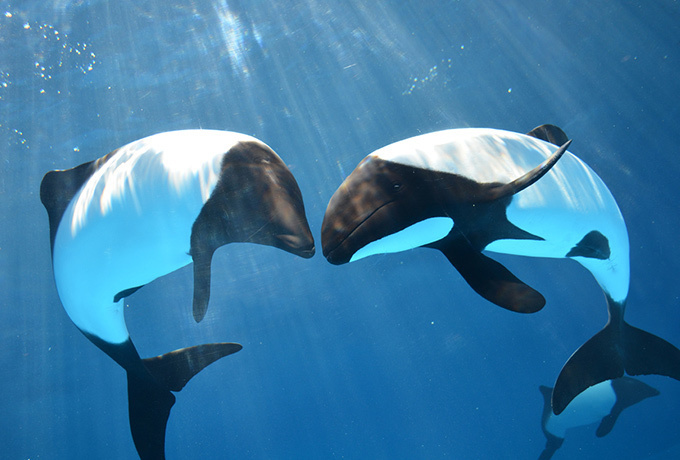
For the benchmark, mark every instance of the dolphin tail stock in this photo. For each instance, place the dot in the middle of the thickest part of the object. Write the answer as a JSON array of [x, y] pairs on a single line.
[[551, 446], [552, 442], [617, 349], [150, 395]]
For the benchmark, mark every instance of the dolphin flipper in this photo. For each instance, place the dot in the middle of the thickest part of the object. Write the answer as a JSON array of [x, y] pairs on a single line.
[[489, 278], [150, 398], [617, 349], [126, 293], [202, 273], [208, 233]]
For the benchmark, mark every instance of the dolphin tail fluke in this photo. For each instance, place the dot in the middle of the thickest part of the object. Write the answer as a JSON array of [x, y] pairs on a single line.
[[647, 354], [176, 368], [629, 392], [595, 361], [617, 349], [150, 399], [149, 408]]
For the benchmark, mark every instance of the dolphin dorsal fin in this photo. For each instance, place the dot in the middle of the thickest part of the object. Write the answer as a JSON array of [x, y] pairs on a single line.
[[549, 133], [519, 184], [58, 188]]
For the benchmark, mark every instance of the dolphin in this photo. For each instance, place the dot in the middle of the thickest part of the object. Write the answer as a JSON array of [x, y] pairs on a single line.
[[601, 403], [145, 210], [464, 191]]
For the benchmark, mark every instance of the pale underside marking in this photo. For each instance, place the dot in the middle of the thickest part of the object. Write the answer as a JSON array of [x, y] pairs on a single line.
[[588, 407], [418, 234]]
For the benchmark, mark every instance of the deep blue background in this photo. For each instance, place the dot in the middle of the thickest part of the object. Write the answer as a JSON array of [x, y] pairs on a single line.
[[391, 357]]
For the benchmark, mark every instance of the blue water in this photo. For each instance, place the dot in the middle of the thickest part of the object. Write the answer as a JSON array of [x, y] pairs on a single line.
[[391, 357]]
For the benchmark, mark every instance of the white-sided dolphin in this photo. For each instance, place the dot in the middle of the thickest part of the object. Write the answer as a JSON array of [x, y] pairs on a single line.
[[601, 403], [145, 210], [462, 191]]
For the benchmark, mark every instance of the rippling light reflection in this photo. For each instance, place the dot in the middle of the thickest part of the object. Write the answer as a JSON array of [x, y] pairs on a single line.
[[235, 34]]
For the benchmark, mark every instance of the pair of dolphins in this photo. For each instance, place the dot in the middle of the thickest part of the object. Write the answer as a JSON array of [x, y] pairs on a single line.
[[157, 204]]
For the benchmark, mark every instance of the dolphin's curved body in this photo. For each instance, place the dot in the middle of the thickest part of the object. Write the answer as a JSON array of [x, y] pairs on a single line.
[[145, 210], [464, 191]]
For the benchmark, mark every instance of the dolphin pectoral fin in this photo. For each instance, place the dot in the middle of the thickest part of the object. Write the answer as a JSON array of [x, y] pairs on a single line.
[[489, 278], [202, 273], [549, 133], [519, 184], [207, 234], [176, 368], [126, 293]]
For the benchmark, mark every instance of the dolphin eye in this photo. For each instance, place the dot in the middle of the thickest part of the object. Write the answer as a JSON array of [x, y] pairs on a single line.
[[396, 186]]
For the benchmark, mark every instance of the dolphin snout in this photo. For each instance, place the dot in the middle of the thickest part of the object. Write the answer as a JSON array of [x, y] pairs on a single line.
[[302, 246]]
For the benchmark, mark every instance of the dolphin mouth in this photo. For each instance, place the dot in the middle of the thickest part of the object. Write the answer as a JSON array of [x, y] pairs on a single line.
[[299, 245], [331, 252]]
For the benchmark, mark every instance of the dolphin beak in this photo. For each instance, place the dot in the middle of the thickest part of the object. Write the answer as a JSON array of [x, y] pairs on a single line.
[[302, 246]]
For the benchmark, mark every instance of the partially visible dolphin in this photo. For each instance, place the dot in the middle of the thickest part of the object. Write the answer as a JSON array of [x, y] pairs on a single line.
[[145, 210], [602, 403], [462, 191]]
